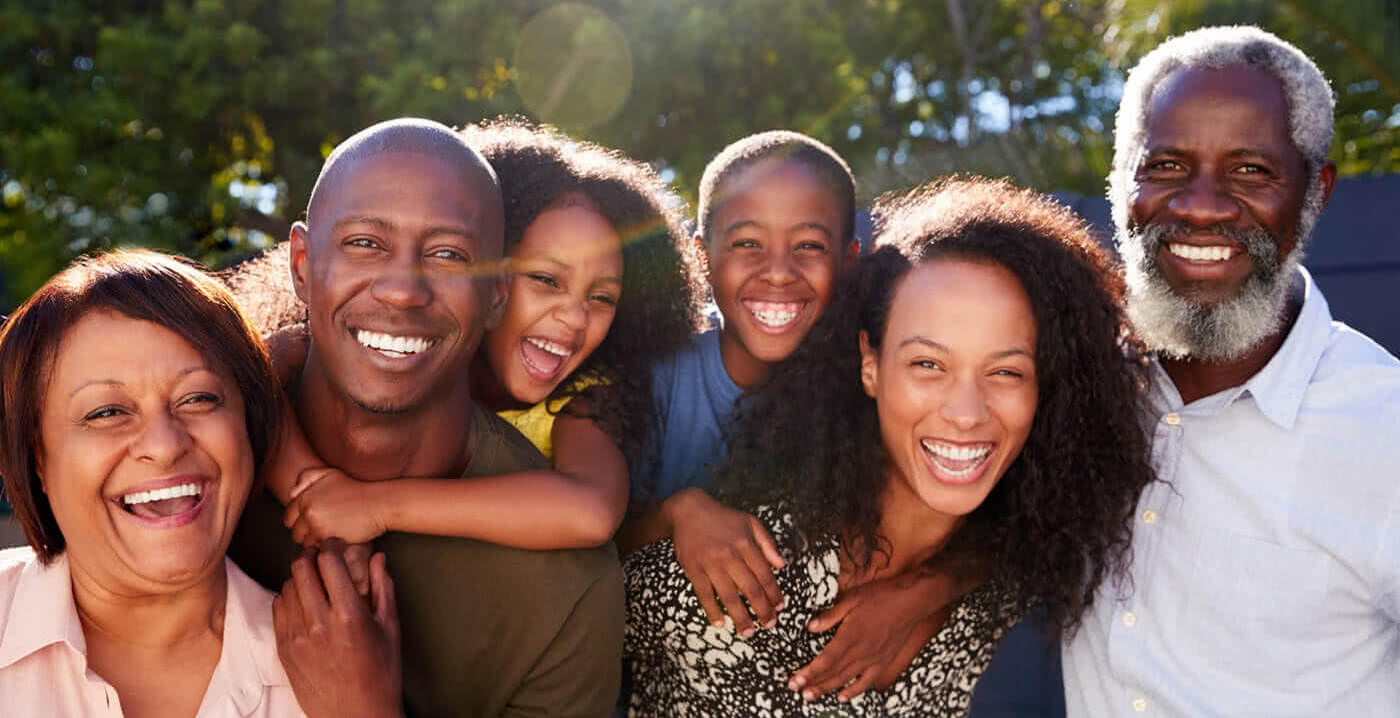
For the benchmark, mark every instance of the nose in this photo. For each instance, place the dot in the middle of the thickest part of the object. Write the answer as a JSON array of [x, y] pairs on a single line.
[[162, 441], [402, 287], [573, 313], [1203, 202], [965, 406], [778, 267]]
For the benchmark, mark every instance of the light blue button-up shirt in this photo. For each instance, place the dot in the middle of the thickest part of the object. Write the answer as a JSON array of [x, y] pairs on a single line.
[[1266, 562]]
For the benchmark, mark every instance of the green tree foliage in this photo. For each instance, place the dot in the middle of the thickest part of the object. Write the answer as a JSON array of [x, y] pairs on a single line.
[[199, 125]]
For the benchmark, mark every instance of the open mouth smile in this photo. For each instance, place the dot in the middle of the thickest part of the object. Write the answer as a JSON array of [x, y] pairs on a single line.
[[957, 464], [176, 504], [544, 358], [1209, 254], [774, 317], [392, 346]]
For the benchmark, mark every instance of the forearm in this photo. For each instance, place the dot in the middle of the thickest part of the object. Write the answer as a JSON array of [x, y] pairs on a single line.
[[291, 456], [653, 523], [529, 509]]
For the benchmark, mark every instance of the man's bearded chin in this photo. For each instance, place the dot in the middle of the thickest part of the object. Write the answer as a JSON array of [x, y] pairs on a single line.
[[1181, 328]]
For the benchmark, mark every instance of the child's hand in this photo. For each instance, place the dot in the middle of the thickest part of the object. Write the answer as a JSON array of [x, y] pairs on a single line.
[[329, 503], [726, 553], [883, 625]]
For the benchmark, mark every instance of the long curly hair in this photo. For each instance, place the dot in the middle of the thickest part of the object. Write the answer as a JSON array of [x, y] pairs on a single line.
[[539, 169], [1058, 523]]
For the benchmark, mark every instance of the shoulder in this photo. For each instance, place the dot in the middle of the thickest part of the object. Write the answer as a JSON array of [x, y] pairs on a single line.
[[1355, 376], [499, 447], [13, 562]]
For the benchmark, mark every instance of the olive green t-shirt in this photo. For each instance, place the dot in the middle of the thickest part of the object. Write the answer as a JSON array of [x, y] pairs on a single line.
[[487, 630]]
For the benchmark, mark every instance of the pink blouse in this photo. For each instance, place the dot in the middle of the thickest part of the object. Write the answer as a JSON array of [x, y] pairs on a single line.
[[43, 655]]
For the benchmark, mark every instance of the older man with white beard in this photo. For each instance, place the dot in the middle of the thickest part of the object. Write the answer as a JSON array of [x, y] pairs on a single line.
[[1266, 567]]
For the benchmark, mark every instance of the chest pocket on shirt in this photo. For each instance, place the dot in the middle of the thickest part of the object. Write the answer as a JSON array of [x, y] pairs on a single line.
[[1251, 601]]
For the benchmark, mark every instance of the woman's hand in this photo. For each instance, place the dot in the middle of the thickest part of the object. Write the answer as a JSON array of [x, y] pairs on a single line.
[[726, 553], [881, 627], [329, 503], [341, 652]]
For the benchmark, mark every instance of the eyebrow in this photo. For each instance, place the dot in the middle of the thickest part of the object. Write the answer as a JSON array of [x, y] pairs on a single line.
[[1014, 351], [740, 224], [386, 226], [1242, 152], [113, 382]]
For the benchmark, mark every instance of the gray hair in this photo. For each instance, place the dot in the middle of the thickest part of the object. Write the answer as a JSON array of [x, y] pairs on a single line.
[[1306, 90]]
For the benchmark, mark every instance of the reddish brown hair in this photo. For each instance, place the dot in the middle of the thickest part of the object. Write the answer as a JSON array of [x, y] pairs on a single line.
[[165, 290]]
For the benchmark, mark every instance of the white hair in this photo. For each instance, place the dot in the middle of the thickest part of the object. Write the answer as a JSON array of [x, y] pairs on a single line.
[[1306, 90]]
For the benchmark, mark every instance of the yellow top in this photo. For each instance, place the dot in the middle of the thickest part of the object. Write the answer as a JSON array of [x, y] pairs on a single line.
[[537, 422]]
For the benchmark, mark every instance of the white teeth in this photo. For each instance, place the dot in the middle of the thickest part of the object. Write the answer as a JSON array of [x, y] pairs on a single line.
[[956, 453], [1200, 254], [774, 314], [549, 346], [396, 345], [170, 492]]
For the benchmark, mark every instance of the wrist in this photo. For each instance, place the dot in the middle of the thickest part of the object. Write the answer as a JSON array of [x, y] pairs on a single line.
[[679, 504], [383, 503]]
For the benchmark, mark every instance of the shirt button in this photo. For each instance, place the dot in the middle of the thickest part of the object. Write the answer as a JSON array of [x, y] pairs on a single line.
[[1149, 517], [1130, 619], [1140, 705], [1172, 419]]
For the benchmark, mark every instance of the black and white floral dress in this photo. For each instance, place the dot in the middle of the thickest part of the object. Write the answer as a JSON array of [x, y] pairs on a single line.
[[681, 666]]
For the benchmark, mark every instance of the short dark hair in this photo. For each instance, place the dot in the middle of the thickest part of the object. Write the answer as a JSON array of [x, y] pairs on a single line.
[[785, 146], [169, 291]]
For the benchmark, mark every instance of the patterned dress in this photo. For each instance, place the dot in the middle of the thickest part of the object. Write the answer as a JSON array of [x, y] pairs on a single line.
[[680, 665]]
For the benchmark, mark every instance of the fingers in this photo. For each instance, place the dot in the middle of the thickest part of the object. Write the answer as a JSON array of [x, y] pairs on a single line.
[[842, 669], [305, 479], [831, 617], [862, 683], [733, 604], [293, 512], [386, 610], [311, 595], [755, 581], [705, 591], [357, 559], [766, 544], [344, 598]]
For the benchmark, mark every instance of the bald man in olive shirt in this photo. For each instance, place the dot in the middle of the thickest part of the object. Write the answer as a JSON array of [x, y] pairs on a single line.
[[402, 230]]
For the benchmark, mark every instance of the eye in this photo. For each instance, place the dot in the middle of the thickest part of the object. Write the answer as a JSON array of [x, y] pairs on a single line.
[[811, 246], [449, 254], [1163, 166], [744, 244], [361, 242], [1012, 373], [926, 364], [607, 299], [202, 397], [106, 412], [1252, 169], [542, 278]]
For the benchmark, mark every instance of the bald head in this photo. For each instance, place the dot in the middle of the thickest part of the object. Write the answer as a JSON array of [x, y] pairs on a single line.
[[411, 136]]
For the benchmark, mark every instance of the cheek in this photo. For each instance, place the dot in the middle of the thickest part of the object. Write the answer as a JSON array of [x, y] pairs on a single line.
[[598, 326], [1016, 412]]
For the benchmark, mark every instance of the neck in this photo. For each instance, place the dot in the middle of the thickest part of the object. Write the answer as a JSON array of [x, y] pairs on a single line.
[[154, 622], [487, 388], [915, 531], [746, 370], [1198, 379], [435, 439]]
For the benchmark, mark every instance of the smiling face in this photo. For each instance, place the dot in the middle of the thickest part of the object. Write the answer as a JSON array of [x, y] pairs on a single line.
[[399, 269], [775, 243], [1215, 212], [144, 453], [954, 381], [566, 281]]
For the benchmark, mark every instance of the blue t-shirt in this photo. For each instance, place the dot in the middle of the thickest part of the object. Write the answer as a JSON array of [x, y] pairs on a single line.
[[695, 401]]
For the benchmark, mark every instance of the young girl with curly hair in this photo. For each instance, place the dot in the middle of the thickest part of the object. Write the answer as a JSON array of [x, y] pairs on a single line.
[[964, 406]]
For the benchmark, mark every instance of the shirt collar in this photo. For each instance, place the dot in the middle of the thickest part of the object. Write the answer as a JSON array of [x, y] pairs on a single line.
[[249, 660], [42, 612], [1278, 389]]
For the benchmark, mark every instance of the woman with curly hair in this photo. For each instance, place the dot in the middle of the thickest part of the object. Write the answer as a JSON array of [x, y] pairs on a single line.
[[599, 291], [964, 406]]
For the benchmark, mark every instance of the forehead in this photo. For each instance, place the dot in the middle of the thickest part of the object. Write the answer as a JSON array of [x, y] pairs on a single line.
[[144, 347], [773, 183], [573, 230], [1235, 103], [956, 301], [407, 189]]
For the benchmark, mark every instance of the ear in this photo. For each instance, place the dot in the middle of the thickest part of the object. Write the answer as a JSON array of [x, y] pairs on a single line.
[[500, 294], [701, 250], [853, 250], [299, 238], [869, 365], [1327, 177]]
